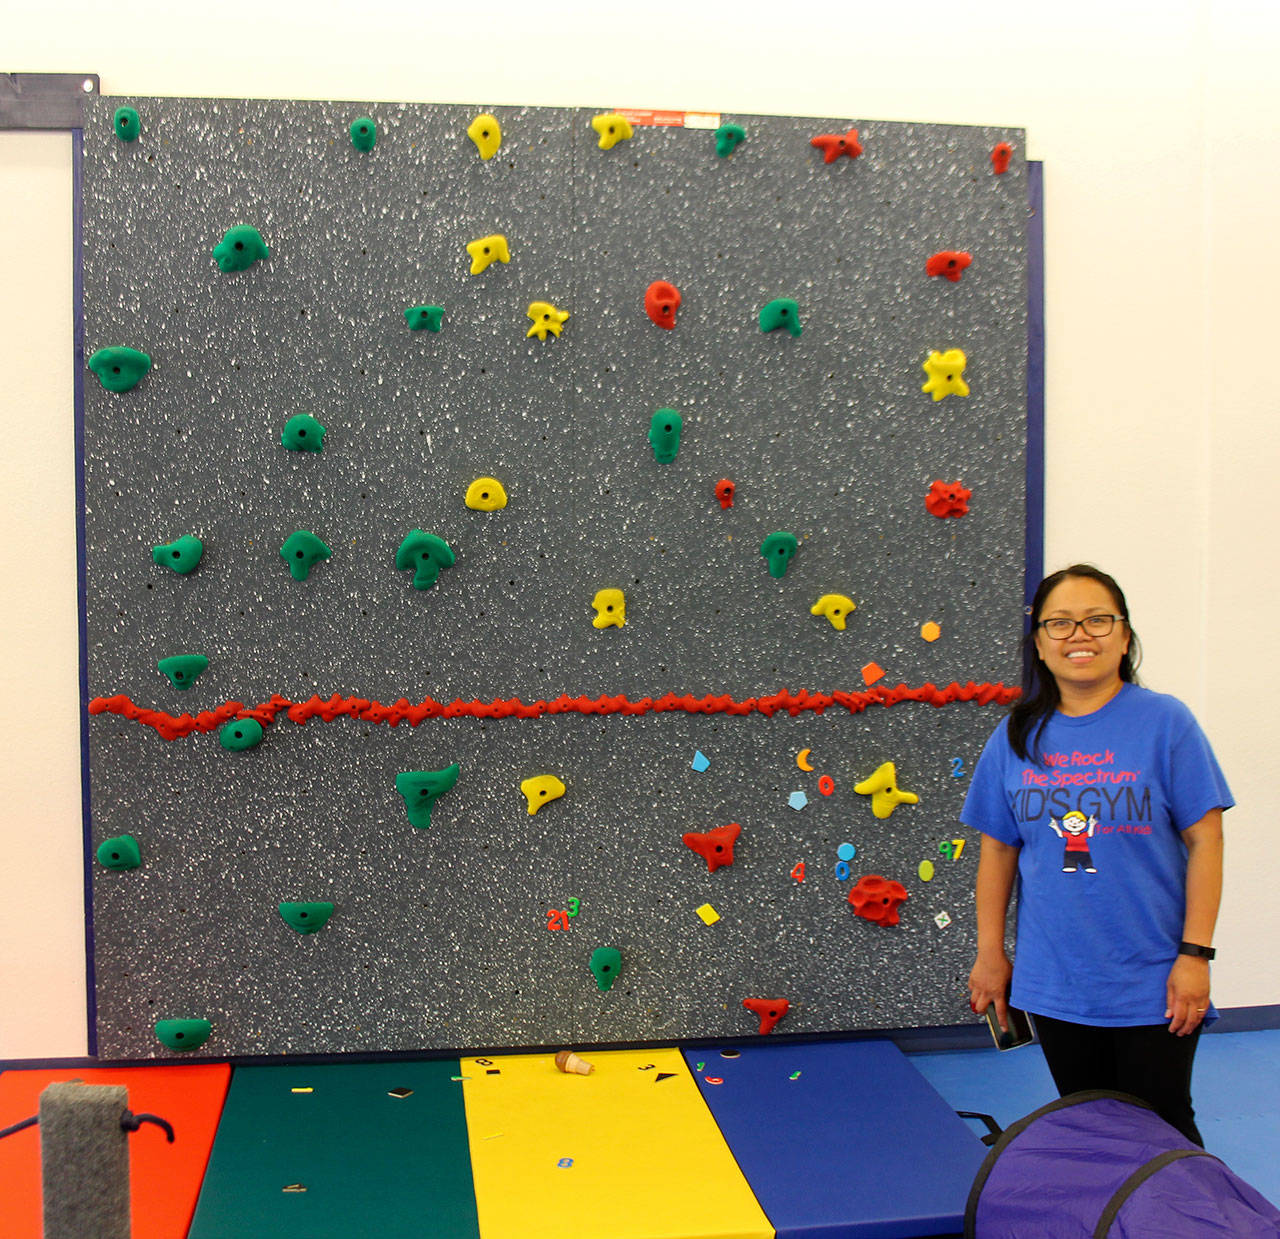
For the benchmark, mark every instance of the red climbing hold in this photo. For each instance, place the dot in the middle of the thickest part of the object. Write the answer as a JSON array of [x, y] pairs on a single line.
[[877, 899], [716, 846], [770, 1011], [661, 301], [724, 492], [947, 499], [1000, 156], [833, 145], [950, 263]]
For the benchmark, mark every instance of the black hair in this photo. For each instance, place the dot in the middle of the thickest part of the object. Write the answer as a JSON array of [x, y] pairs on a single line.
[[1040, 696]]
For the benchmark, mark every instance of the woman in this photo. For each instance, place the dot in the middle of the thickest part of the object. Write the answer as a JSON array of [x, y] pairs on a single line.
[[1106, 801]]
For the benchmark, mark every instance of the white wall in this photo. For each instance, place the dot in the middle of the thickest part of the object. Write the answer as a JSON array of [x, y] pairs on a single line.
[[1159, 127]]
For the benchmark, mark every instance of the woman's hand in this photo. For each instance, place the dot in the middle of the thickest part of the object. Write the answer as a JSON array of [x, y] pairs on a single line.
[[988, 983], [1187, 994]]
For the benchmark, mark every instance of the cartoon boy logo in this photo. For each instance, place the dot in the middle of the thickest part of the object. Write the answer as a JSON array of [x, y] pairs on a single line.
[[1075, 830]]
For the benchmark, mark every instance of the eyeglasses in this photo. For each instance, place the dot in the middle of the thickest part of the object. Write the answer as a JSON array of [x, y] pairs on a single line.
[[1094, 626]]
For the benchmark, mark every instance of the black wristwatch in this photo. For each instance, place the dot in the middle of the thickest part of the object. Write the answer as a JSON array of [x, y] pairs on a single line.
[[1200, 952]]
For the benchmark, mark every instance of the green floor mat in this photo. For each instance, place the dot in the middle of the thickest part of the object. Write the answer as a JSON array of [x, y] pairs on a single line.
[[330, 1151]]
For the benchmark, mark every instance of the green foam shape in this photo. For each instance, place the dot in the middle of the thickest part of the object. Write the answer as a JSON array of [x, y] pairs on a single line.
[[422, 788], [727, 139], [119, 368], [364, 134], [183, 670], [664, 435], [426, 555], [240, 734], [777, 549], [183, 1034], [302, 433], [306, 918], [127, 124], [429, 316], [122, 852], [302, 550], [781, 312], [240, 248], [606, 963], [182, 554]]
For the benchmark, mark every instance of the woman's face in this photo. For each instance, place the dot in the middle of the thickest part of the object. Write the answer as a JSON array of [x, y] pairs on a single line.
[[1082, 662]]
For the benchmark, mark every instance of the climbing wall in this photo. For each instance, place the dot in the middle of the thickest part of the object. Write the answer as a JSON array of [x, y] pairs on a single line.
[[743, 689]]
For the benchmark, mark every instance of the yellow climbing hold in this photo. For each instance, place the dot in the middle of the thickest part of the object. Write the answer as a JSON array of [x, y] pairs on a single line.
[[540, 790], [486, 495], [486, 250], [884, 792], [925, 870], [835, 607], [930, 631], [612, 128], [611, 608], [545, 318], [486, 133], [944, 371]]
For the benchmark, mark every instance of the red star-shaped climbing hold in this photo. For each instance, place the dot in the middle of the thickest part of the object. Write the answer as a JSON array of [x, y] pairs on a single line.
[[716, 846], [833, 145], [947, 499], [770, 1011]]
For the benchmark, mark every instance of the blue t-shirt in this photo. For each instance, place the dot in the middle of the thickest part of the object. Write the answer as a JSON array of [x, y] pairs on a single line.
[[1102, 864]]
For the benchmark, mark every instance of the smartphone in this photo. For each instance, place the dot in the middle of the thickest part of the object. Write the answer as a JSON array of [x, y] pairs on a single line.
[[1018, 1032]]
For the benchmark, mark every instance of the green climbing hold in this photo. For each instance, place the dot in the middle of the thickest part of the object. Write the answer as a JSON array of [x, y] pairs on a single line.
[[302, 550], [183, 669], [240, 734], [120, 368], [781, 312], [306, 918], [240, 248], [429, 316], [426, 555], [127, 124], [422, 788], [364, 134], [120, 853], [777, 549], [727, 139], [664, 434], [606, 963], [182, 554], [183, 1034], [302, 433]]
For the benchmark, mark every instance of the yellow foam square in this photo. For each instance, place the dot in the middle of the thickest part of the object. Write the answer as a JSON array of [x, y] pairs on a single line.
[[709, 915]]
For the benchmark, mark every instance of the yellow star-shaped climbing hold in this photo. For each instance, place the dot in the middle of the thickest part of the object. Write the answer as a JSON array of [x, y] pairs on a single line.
[[485, 250], [545, 318], [884, 791], [944, 371], [612, 128]]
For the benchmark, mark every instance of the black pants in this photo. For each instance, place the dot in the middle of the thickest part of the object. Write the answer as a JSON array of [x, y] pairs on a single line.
[[1147, 1061]]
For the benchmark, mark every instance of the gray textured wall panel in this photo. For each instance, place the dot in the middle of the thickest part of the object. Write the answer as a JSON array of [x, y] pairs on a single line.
[[440, 936]]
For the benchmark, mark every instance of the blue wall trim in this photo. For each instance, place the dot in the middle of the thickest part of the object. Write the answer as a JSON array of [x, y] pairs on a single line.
[[1034, 549]]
